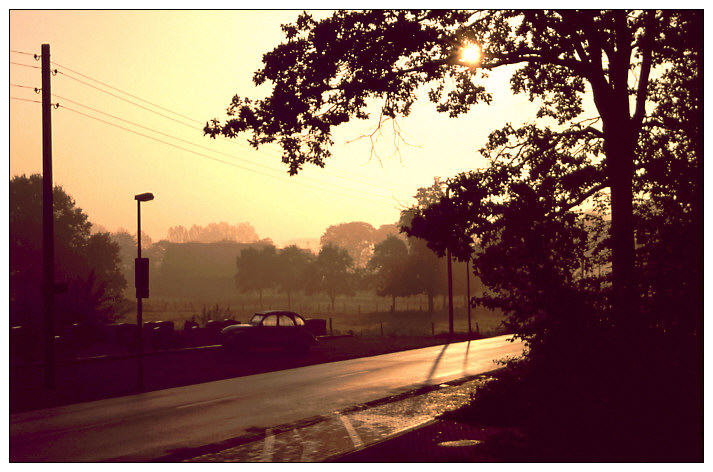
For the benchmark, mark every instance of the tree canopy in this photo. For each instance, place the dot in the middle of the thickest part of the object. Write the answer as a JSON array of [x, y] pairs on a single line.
[[327, 71], [88, 263]]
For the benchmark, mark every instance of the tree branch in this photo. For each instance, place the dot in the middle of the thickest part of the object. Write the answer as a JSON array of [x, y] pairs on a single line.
[[647, 46]]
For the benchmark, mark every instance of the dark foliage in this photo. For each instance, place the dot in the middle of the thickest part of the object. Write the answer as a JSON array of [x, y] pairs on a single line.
[[88, 263]]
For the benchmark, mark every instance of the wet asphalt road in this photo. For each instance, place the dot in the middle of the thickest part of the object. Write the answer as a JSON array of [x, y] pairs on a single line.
[[178, 423]]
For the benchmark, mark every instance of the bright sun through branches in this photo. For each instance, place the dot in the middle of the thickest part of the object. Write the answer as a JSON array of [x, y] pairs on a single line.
[[470, 54]]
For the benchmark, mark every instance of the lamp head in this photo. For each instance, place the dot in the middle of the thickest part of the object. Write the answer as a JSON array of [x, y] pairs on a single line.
[[144, 197]]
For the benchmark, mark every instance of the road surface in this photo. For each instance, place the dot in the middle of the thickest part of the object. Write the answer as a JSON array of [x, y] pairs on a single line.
[[155, 424]]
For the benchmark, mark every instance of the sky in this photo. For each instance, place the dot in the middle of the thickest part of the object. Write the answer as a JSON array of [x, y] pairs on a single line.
[[135, 89]]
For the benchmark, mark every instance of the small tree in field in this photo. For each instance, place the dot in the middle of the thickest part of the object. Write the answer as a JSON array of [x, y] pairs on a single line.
[[330, 273], [292, 266], [389, 263], [256, 270]]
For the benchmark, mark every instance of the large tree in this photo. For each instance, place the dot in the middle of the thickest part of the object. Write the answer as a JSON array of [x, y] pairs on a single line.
[[356, 237], [87, 263], [327, 71]]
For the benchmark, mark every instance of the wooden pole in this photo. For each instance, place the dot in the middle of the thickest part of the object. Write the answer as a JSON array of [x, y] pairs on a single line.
[[48, 287]]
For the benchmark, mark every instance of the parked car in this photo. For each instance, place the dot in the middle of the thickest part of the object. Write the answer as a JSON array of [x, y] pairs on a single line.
[[269, 329]]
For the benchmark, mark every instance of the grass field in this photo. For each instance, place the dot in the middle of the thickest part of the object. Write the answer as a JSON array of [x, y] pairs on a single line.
[[363, 314]]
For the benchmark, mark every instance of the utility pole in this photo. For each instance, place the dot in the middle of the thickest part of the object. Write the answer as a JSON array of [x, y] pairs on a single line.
[[450, 277], [467, 284], [450, 294], [48, 286]]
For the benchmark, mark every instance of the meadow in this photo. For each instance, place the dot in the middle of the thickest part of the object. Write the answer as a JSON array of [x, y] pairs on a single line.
[[363, 314]]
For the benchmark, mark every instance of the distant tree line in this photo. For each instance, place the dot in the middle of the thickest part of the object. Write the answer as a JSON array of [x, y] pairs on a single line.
[[354, 256], [213, 232]]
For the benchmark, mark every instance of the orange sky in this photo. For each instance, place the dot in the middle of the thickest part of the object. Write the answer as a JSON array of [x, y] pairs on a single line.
[[190, 63]]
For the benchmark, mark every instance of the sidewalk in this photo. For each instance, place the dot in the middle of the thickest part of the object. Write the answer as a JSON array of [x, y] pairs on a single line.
[[438, 441], [400, 429]]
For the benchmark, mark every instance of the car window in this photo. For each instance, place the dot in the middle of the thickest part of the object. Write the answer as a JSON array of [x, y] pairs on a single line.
[[286, 321], [299, 321], [256, 319], [270, 320]]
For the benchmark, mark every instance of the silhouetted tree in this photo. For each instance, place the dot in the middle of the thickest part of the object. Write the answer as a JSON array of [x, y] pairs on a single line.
[[384, 231], [326, 71], [330, 273], [356, 237], [389, 263], [87, 263], [639, 156], [291, 270], [257, 269]]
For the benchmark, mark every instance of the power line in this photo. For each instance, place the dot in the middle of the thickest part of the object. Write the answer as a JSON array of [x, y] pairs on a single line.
[[125, 93], [22, 52], [37, 90], [193, 144], [350, 178], [126, 100], [221, 161], [25, 65], [25, 100]]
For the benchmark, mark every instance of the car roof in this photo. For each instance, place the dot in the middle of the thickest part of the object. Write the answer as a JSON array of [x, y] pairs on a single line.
[[276, 312]]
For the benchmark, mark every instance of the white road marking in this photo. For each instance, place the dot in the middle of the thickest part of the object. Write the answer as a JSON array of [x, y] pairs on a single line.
[[268, 446], [356, 440], [299, 440]]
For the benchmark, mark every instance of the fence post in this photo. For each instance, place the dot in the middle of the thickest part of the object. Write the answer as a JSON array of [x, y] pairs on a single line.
[[381, 323], [331, 332], [433, 329]]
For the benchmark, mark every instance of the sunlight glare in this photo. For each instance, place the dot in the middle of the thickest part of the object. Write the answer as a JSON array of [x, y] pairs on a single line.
[[471, 54]]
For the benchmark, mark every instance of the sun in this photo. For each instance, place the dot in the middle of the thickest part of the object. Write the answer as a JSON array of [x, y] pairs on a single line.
[[471, 53]]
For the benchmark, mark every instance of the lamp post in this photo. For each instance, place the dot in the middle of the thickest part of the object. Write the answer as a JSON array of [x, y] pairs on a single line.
[[467, 281], [141, 278], [450, 277]]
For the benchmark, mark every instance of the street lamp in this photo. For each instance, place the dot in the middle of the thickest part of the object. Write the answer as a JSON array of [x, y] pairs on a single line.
[[450, 275], [141, 279]]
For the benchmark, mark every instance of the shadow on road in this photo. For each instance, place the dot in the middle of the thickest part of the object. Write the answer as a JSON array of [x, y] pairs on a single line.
[[465, 358], [435, 364]]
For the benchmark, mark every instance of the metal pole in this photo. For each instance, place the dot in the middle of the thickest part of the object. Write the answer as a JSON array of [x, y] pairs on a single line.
[[139, 307], [467, 285], [48, 286], [450, 294], [450, 280]]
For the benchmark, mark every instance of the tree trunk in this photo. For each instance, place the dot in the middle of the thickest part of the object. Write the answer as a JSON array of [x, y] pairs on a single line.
[[619, 146]]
